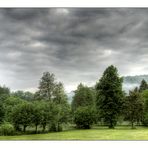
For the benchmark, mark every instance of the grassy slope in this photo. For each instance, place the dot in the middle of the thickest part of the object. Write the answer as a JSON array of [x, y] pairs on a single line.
[[119, 133]]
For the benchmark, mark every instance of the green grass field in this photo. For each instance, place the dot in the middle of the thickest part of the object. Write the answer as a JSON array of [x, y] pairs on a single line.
[[103, 133]]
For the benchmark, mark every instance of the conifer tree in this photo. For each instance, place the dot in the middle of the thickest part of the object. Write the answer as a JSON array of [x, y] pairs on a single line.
[[110, 96]]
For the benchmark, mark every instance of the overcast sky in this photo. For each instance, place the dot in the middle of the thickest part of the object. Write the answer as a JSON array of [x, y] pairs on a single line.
[[74, 44]]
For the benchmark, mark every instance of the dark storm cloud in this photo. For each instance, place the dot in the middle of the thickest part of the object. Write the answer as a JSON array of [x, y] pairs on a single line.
[[75, 44]]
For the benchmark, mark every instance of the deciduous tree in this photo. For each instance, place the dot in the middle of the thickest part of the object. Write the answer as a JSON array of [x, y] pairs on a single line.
[[84, 117], [23, 115], [47, 86], [134, 107], [84, 96]]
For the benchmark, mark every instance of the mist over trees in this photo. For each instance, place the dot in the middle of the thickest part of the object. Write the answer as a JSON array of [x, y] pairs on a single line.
[[135, 79], [48, 109]]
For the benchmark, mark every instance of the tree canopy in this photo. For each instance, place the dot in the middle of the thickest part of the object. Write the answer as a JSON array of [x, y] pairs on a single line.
[[134, 107], [84, 96], [47, 86], [143, 86], [110, 96]]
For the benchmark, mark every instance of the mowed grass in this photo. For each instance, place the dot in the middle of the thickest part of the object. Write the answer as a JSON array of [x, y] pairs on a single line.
[[99, 133]]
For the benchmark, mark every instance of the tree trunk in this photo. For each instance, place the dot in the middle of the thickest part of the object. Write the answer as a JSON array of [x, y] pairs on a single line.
[[36, 128], [132, 125], [58, 127], [44, 126], [17, 128], [111, 126], [24, 128]]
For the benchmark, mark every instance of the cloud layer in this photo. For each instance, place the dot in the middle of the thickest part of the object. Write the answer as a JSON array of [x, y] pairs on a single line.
[[75, 44]]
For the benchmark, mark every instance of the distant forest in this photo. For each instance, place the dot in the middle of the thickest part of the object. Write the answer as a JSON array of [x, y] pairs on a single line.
[[135, 79]]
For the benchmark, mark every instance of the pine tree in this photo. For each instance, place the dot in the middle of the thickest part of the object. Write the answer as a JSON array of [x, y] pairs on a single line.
[[110, 94], [143, 85]]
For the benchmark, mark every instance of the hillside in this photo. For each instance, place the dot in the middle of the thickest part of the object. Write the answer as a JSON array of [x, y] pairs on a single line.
[[129, 82], [135, 79]]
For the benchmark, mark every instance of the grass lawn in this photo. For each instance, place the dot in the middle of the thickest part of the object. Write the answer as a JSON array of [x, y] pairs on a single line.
[[99, 133]]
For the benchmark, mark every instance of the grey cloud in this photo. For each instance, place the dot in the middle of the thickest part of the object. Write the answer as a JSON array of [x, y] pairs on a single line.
[[74, 43]]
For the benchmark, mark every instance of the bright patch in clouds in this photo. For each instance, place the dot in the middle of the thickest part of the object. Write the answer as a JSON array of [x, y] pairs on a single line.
[[107, 52], [62, 11]]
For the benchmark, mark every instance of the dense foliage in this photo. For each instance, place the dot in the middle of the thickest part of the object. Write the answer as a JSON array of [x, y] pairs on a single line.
[[23, 95], [2, 112], [7, 129], [83, 106], [48, 108], [84, 96], [84, 117], [145, 114], [143, 86], [23, 115], [134, 107], [47, 86], [110, 96]]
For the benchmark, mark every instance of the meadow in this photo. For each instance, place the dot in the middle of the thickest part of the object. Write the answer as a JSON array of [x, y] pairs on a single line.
[[96, 133]]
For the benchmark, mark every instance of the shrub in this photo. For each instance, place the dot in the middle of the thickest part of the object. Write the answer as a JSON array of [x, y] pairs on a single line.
[[7, 129], [84, 117]]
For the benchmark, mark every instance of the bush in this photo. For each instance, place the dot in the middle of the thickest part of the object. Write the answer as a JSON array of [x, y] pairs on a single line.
[[84, 117], [7, 129]]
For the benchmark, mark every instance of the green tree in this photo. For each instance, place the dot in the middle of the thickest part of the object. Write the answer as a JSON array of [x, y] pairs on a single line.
[[60, 116], [4, 92], [23, 115], [2, 112], [134, 107], [61, 108], [37, 96], [9, 105], [84, 117], [46, 114], [37, 114], [60, 96], [47, 86], [110, 96], [23, 95], [84, 96], [144, 94], [143, 85], [83, 99]]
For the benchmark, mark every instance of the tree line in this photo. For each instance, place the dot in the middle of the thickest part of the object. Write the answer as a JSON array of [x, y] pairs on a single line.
[[48, 108]]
